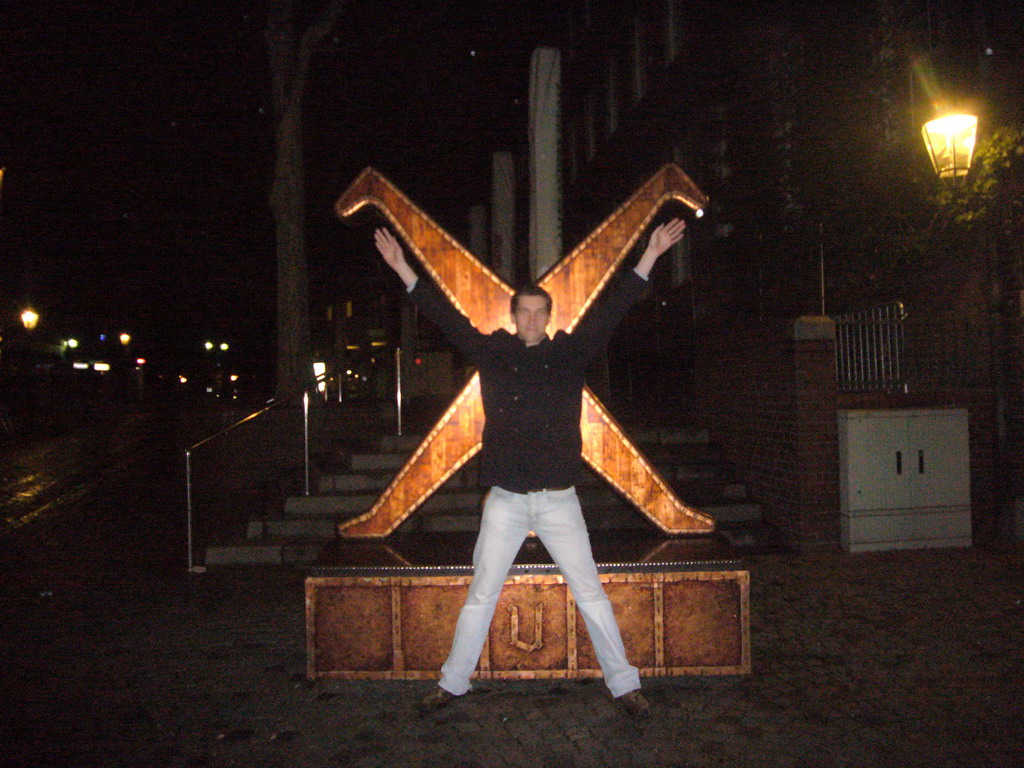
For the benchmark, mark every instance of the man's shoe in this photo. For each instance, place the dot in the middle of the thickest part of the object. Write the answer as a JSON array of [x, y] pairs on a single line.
[[436, 699], [635, 705]]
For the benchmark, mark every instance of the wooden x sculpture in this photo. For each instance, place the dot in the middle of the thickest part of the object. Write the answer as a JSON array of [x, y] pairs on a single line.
[[574, 283]]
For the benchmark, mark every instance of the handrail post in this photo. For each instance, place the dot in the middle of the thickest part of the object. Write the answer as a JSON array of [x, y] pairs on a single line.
[[188, 502], [305, 433], [398, 386], [192, 568]]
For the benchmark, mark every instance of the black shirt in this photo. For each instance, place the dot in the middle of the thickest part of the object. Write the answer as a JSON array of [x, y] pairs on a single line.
[[532, 396]]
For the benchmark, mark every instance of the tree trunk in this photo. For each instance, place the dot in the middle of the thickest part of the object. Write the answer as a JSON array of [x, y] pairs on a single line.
[[289, 66], [294, 353]]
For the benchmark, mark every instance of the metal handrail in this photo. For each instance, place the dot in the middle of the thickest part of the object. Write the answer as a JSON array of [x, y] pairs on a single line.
[[304, 393]]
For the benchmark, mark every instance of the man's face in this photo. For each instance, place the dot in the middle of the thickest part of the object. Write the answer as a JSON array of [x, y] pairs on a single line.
[[531, 319]]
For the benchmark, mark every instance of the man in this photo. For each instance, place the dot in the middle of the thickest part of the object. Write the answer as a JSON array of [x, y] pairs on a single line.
[[532, 389]]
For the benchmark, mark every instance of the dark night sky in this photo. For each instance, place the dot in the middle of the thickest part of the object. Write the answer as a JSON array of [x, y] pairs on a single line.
[[137, 141]]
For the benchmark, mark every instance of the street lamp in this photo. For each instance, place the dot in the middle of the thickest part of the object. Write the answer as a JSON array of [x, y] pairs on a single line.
[[29, 319], [950, 144]]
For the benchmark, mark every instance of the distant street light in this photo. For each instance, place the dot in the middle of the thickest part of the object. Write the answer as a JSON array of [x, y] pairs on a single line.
[[950, 144], [125, 339], [223, 347], [29, 319]]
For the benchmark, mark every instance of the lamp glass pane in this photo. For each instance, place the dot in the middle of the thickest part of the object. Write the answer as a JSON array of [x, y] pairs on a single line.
[[950, 144]]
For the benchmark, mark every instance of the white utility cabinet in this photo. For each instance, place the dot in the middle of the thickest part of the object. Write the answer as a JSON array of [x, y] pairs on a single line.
[[905, 479]]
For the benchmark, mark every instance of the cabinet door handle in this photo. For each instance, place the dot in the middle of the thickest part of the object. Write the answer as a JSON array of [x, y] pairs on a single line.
[[920, 462], [899, 462]]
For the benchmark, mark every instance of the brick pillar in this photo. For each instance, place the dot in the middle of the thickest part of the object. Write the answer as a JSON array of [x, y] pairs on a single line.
[[815, 435]]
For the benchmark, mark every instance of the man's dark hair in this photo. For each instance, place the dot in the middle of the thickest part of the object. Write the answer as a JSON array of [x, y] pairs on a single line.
[[531, 290]]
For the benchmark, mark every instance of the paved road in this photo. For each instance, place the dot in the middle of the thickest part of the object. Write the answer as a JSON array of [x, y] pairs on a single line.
[[113, 656], [45, 472]]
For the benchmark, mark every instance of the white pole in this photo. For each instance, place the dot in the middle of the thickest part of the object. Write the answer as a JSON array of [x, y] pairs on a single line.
[[545, 184], [398, 386], [188, 493], [305, 438]]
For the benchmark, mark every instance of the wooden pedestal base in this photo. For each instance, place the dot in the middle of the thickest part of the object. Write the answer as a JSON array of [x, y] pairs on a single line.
[[398, 622]]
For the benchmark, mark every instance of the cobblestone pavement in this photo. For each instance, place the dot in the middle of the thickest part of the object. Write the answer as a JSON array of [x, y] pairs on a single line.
[[113, 656]]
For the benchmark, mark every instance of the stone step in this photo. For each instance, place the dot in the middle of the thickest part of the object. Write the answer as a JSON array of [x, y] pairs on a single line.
[[295, 528], [376, 471], [269, 551], [740, 512], [450, 499], [643, 436], [728, 497], [676, 462], [359, 462], [680, 435], [609, 515], [711, 492], [604, 512], [399, 443], [350, 476], [754, 538], [683, 445], [300, 540], [688, 472], [328, 505], [345, 481]]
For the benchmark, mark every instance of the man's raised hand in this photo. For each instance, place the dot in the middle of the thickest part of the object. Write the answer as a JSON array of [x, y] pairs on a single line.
[[665, 236], [391, 250], [389, 247]]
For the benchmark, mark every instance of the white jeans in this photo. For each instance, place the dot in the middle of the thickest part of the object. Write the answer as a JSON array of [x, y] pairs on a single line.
[[556, 518]]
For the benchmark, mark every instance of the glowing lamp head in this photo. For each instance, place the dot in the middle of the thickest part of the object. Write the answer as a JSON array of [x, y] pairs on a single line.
[[699, 213], [29, 319], [950, 144], [125, 338]]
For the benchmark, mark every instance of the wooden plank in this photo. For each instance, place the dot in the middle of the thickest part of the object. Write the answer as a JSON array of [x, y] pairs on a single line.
[[672, 623]]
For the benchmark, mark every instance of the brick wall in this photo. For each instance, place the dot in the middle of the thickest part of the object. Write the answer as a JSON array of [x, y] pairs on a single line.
[[768, 392]]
